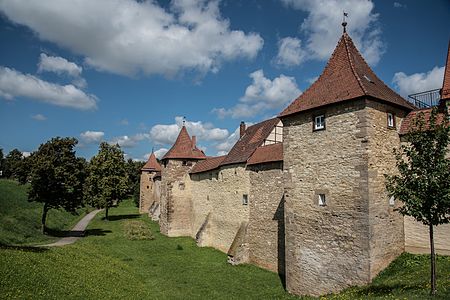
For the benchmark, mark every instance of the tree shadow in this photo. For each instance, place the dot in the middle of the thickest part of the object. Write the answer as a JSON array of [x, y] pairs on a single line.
[[122, 217], [64, 233], [23, 248], [97, 232]]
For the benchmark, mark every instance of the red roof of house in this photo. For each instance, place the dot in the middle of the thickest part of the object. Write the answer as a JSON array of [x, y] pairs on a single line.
[[210, 163], [253, 138], [265, 154], [183, 148], [408, 122], [152, 164], [346, 76], [446, 84]]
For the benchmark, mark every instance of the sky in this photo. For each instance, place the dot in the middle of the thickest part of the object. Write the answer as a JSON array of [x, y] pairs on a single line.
[[129, 72]]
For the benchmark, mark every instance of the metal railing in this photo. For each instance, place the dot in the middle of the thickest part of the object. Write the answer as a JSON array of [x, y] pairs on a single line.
[[426, 99]]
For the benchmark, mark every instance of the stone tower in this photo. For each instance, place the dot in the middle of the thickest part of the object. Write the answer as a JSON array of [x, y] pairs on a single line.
[[341, 227], [176, 196], [150, 187]]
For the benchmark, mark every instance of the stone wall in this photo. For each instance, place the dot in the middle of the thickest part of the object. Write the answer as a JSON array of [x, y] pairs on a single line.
[[385, 225], [266, 224], [217, 205], [327, 247], [417, 238], [149, 191], [176, 198]]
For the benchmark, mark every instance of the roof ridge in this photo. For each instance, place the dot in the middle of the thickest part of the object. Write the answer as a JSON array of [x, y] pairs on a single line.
[[352, 67]]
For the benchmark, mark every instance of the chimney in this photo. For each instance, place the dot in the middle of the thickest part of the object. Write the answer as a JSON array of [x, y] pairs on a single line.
[[194, 141], [241, 129]]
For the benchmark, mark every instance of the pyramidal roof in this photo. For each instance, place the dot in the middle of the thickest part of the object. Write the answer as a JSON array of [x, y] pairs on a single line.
[[152, 164], [346, 76], [183, 148], [446, 85]]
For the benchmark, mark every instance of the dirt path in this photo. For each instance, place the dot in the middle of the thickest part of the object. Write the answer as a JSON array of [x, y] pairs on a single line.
[[77, 231]]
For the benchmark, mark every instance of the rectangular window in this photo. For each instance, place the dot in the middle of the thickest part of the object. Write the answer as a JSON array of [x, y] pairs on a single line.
[[392, 201], [390, 120], [319, 122], [245, 199], [322, 200]]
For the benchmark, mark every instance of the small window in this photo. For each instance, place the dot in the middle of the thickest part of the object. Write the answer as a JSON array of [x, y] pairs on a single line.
[[392, 201], [319, 122], [245, 199], [322, 200], [181, 186], [390, 120], [184, 162]]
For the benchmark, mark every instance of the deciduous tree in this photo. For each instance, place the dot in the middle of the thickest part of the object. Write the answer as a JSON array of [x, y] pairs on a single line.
[[423, 179], [12, 163]]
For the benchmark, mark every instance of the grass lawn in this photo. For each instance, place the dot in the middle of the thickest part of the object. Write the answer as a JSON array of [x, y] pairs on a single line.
[[122, 259], [20, 220]]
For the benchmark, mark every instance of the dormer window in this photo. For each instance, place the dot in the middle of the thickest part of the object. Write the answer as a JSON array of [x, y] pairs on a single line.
[[319, 122], [390, 120]]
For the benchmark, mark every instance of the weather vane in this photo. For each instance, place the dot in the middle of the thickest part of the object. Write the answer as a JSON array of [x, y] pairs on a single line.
[[344, 22], [184, 121]]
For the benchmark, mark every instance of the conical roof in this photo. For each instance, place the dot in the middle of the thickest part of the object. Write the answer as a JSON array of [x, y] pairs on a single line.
[[152, 164], [346, 76], [183, 148], [446, 84]]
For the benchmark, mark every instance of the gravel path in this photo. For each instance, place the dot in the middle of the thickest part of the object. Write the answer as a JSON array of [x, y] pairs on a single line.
[[77, 231]]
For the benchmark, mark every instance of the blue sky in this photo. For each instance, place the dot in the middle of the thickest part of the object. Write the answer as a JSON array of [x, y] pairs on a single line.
[[127, 72]]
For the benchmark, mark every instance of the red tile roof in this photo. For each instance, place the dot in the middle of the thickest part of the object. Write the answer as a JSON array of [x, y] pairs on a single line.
[[183, 148], [346, 76], [446, 83], [408, 122], [210, 163], [247, 144], [152, 164], [265, 154]]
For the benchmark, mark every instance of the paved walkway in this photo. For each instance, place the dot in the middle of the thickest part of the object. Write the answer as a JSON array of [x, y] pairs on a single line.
[[77, 231]]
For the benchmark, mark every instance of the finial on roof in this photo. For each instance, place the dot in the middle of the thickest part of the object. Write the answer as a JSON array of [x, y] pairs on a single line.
[[344, 22], [184, 121], [153, 149]]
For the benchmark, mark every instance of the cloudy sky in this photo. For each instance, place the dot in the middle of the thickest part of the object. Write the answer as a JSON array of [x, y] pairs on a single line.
[[128, 72]]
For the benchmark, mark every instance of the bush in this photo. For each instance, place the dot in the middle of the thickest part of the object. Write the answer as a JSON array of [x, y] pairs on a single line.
[[137, 230]]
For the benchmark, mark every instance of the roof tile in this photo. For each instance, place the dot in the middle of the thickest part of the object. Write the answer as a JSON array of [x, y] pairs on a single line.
[[446, 83], [183, 148], [152, 164], [265, 154], [210, 163]]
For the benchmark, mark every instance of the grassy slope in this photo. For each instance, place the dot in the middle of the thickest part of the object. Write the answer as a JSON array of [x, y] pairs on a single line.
[[20, 220], [107, 265]]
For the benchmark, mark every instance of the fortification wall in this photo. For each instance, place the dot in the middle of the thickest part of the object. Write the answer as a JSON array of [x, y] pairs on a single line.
[[417, 237], [266, 224], [220, 198], [149, 192], [385, 225], [327, 247]]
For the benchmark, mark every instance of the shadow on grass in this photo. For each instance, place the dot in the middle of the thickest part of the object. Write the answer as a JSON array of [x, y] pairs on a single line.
[[64, 233], [23, 248], [383, 289], [121, 217], [97, 232]]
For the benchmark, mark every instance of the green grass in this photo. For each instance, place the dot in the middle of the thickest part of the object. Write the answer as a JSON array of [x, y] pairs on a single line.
[[20, 220], [105, 264]]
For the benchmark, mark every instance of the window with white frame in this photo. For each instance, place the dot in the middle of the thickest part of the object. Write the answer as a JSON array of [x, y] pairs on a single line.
[[392, 201], [390, 120], [319, 122], [245, 199], [322, 200]]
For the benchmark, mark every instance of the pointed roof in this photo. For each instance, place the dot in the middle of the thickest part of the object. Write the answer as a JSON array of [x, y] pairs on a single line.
[[210, 163], [266, 154], [183, 148], [152, 164], [346, 76], [446, 84]]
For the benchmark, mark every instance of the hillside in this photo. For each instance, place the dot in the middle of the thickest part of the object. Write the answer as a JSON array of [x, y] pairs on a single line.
[[20, 219]]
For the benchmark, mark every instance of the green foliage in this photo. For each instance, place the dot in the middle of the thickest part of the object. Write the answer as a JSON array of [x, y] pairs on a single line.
[[423, 179], [12, 164], [107, 180], [19, 218], [134, 176], [57, 176], [137, 230]]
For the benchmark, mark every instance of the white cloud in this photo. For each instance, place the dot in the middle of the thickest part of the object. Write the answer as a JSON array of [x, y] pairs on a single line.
[[290, 52], [399, 5], [418, 82], [131, 37], [126, 141], [90, 137], [39, 117], [26, 153], [262, 95], [58, 65], [124, 122], [167, 134], [158, 153], [323, 29], [16, 84], [224, 147]]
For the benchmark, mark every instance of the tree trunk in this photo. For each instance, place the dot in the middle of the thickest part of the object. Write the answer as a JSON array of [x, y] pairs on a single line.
[[106, 212], [433, 263], [44, 218]]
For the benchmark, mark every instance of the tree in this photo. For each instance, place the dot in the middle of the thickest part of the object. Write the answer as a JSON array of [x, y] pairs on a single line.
[[1, 163], [56, 177], [107, 179], [12, 163], [423, 179], [134, 176]]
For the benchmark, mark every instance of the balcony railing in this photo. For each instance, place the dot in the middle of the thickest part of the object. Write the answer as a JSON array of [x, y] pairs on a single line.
[[426, 99]]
